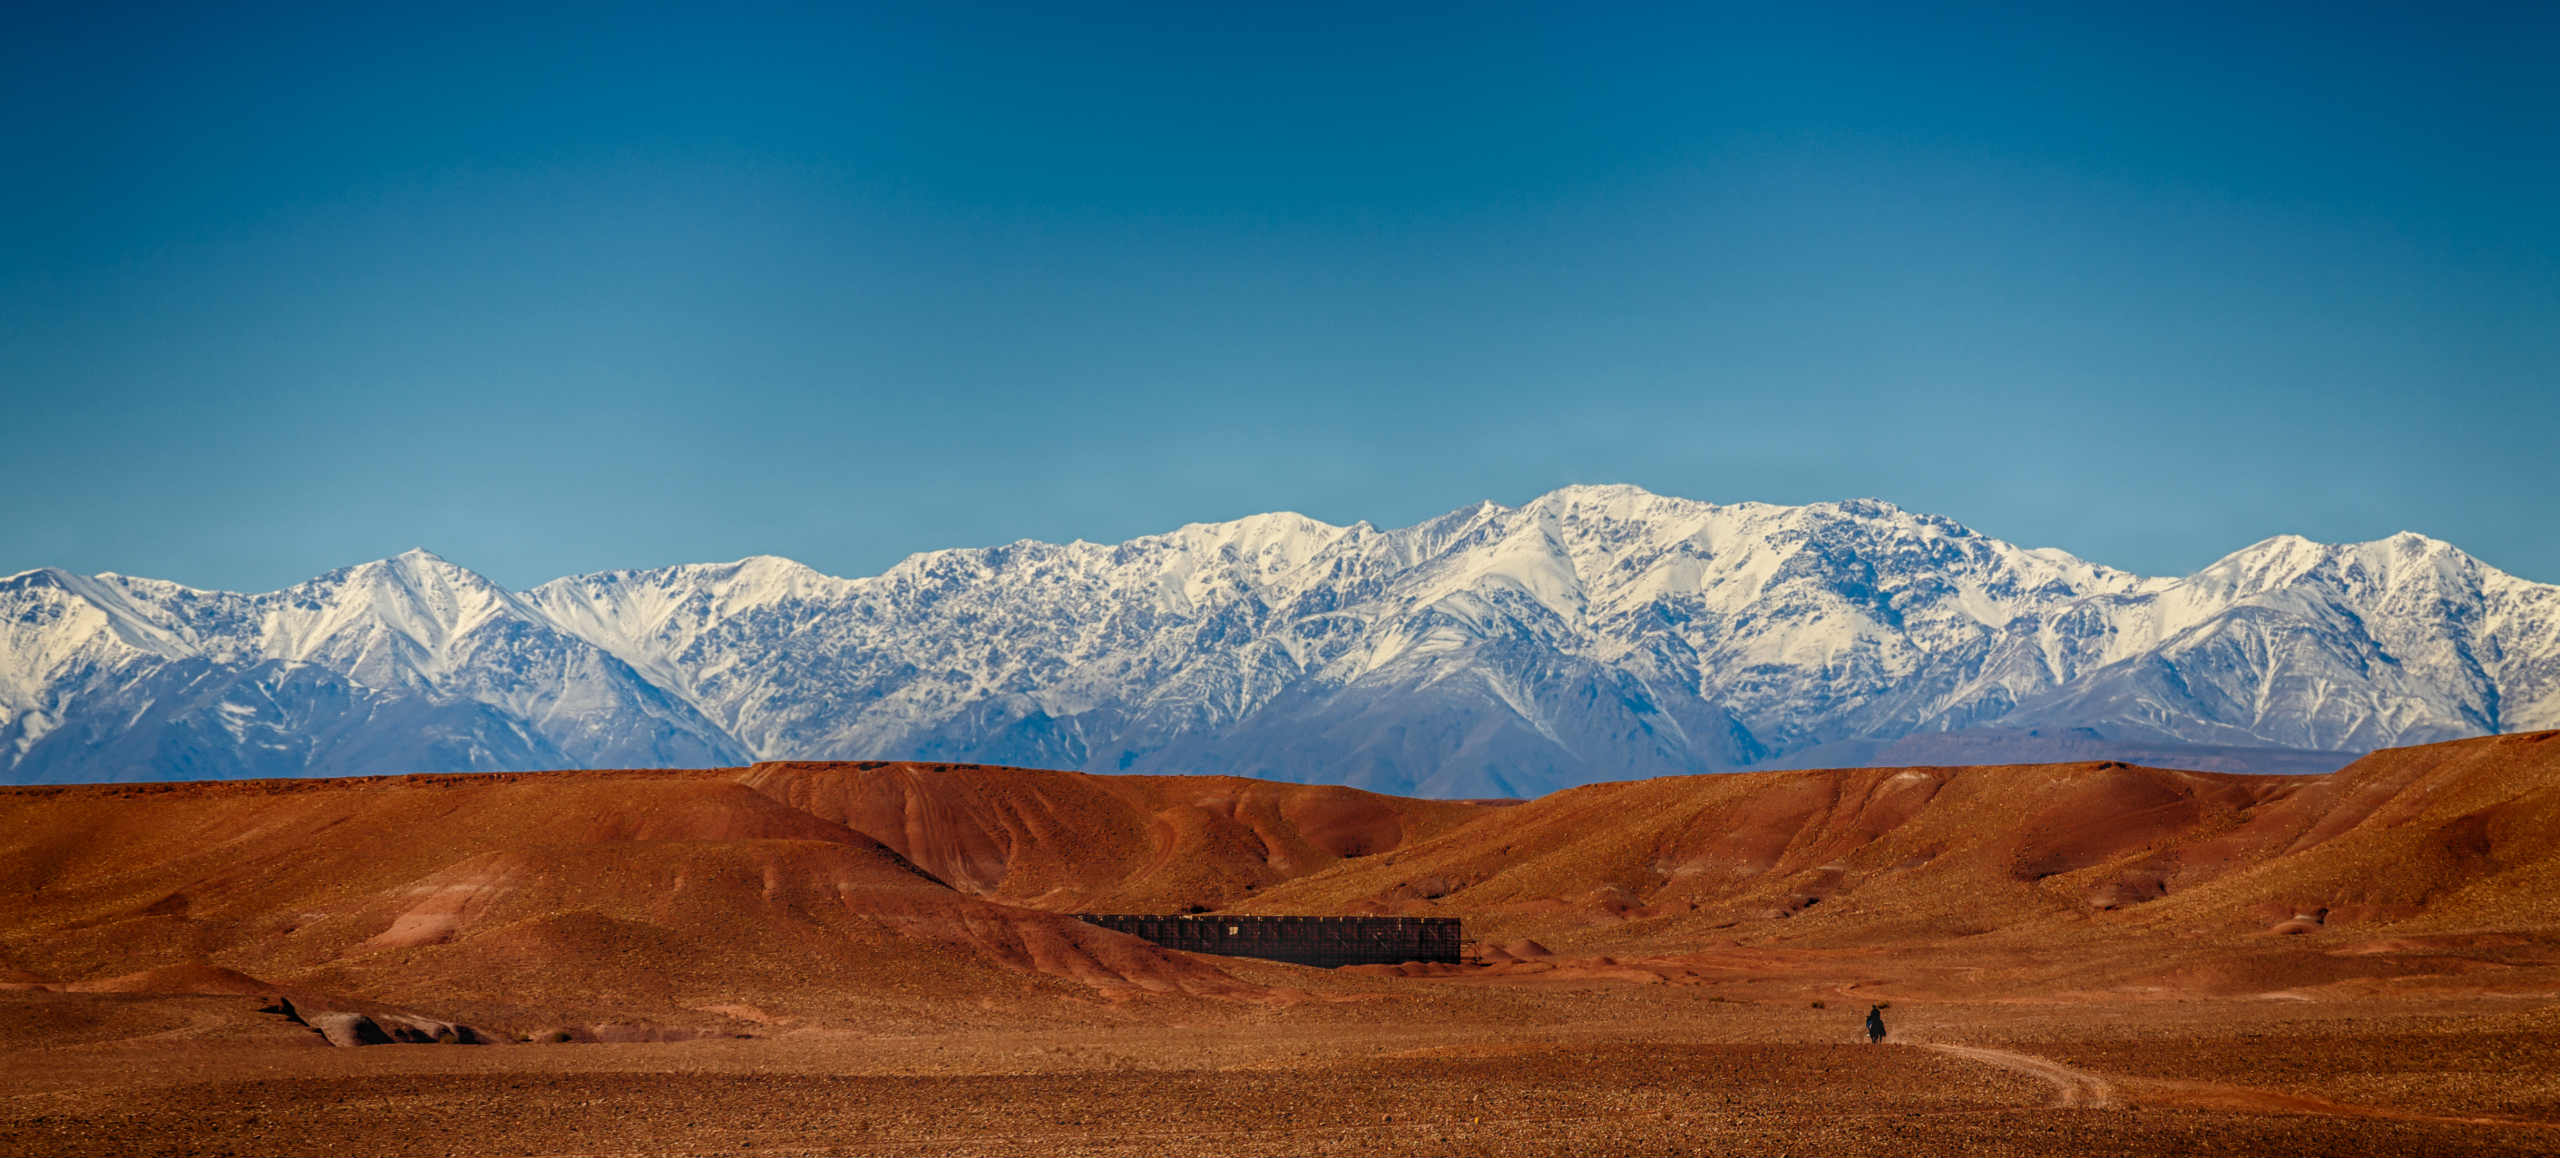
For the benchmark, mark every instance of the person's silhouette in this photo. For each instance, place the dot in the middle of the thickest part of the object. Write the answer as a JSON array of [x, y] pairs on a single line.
[[1875, 1024]]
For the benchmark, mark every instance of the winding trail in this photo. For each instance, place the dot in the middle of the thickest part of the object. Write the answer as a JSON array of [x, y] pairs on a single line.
[[2082, 1090], [2072, 1089]]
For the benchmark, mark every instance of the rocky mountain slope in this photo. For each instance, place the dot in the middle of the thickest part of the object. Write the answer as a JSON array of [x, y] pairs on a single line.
[[1594, 633]]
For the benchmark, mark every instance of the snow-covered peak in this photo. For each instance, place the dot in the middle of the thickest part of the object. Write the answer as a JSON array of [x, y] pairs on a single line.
[[106, 604], [1267, 527], [2266, 564], [1590, 631], [646, 618], [416, 577], [1879, 510], [395, 620], [1619, 500], [2404, 559], [2286, 561], [757, 579], [761, 566], [1257, 548]]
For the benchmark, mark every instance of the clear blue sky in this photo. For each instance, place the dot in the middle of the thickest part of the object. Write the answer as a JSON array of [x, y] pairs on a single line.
[[286, 289]]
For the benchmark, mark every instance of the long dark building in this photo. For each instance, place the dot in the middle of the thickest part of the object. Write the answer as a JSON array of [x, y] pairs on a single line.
[[1325, 942]]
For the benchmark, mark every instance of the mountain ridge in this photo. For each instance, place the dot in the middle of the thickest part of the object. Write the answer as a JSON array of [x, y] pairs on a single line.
[[1598, 632]]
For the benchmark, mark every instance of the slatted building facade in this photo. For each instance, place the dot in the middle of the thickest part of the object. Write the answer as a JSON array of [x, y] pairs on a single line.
[[1325, 942]]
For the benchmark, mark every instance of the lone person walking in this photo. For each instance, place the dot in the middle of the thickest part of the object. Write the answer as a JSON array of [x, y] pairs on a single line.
[[1875, 1024]]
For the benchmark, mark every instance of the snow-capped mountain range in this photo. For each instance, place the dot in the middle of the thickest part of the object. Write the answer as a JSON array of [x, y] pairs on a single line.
[[1594, 633]]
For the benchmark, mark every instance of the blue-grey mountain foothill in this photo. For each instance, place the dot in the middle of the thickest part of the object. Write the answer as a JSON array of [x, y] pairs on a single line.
[[1596, 633]]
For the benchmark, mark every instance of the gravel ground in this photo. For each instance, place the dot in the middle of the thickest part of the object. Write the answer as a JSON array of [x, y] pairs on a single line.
[[1540, 1073]]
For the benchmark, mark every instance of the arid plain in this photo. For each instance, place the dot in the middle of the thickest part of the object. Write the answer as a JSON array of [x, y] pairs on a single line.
[[879, 958]]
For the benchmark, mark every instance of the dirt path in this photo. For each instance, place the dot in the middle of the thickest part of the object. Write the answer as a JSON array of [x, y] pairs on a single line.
[[2073, 1089], [2081, 1089]]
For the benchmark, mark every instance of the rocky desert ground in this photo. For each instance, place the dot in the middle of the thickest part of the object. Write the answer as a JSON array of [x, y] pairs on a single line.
[[879, 958]]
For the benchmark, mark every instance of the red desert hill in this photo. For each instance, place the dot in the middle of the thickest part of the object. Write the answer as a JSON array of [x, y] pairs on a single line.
[[874, 889]]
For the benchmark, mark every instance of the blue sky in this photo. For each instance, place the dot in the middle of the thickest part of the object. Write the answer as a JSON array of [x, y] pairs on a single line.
[[284, 289]]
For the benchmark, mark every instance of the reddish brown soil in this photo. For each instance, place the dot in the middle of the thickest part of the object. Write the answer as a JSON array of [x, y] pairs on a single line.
[[874, 958]]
